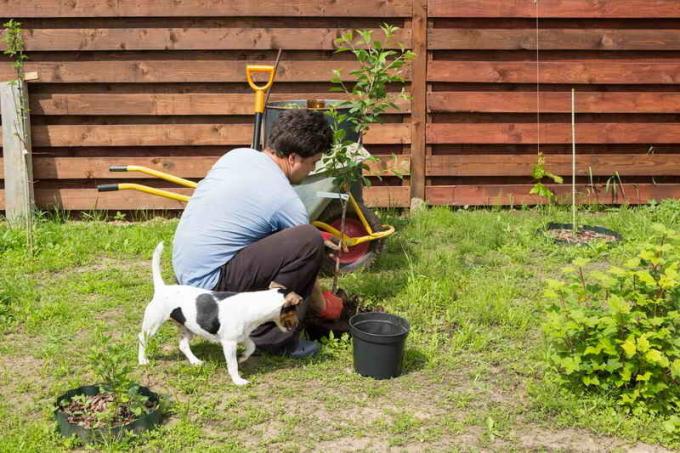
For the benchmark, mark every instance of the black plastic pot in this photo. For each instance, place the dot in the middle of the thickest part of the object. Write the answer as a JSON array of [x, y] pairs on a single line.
[[595, 229], [143, 423], [378, 341], [274, 109]]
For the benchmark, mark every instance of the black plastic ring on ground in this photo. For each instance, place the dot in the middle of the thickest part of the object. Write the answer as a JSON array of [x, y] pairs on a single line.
[[143, 423], [568, 226]]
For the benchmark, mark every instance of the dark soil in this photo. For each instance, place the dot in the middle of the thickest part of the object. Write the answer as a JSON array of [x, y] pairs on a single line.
[[317, 328], [581, 237], [87, 412], [353, 305]]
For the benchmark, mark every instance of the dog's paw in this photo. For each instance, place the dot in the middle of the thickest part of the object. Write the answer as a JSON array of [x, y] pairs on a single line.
[[196, 362], [243, 358], [240, 381], [144, 361]]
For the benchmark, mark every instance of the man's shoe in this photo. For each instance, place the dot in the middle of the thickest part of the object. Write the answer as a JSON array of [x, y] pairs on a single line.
[[305, 348]]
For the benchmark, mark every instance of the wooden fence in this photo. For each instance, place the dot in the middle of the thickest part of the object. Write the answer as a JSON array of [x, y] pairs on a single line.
[[161, 83]]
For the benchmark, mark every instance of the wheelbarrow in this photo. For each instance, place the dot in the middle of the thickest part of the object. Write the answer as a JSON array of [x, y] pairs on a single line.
[[364, 233]]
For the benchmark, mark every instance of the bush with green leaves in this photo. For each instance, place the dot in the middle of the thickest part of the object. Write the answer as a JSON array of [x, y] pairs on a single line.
[[111, 365], [618, 331], [14, 46], [539, 173], [369, 97]]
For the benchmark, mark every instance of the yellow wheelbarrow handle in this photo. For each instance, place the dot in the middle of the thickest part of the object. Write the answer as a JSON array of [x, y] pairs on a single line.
[[388, 230], [260, 90], [143, 188], [155, 173]]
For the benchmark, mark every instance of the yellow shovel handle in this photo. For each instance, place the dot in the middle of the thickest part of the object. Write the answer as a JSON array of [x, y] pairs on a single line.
[[259, 89]]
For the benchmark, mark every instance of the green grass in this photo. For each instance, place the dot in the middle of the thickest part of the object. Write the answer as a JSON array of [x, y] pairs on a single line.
[[469, 281]]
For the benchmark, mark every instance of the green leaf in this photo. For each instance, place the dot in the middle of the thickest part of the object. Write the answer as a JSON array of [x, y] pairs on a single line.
[[627, 373], [618, 305], [570, 364], [643, 344], [672, 425], [675, 369], [644, 377], [555, 178], [590, 380], [592, 350], [628, 347], [655, 356], [613, 365]]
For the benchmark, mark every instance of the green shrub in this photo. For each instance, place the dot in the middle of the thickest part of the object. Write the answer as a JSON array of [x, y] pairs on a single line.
[[109, 361], [618, 331]]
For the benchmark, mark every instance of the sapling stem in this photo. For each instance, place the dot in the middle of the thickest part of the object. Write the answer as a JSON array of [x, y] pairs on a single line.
[[336, 274]]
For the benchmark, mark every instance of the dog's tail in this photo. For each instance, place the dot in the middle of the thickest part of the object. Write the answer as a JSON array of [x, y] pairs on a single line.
[[156, 267]]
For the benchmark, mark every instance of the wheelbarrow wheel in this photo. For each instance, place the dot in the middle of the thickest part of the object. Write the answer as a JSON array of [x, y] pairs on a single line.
[[361, 255]]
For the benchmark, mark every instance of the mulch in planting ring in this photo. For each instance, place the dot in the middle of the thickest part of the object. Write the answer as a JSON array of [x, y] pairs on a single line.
[[563, 233]]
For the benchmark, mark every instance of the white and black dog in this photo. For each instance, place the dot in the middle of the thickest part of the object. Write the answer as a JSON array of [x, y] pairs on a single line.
[[227, 318]]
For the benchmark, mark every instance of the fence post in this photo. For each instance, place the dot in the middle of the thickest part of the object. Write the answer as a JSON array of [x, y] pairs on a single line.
[[418, 101], [16, 150]]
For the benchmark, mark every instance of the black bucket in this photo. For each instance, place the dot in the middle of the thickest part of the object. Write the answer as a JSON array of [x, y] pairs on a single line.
[[274, 109], [145, 422], [378, 342]]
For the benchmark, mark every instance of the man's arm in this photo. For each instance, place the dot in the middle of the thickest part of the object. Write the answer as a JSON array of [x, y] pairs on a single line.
[[291, 213]]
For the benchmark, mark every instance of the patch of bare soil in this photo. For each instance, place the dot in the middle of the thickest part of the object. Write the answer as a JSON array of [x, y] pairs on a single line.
[[102, 263], [535, 438], [111, 317], [19, 374], [354, 444]]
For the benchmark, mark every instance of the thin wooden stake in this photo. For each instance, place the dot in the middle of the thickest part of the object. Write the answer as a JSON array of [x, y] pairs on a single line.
[[573, 161], [276, 67]]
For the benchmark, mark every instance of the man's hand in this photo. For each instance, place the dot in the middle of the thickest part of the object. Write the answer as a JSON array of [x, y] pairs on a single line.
[[333, 308], [325, 304], [333, 243]]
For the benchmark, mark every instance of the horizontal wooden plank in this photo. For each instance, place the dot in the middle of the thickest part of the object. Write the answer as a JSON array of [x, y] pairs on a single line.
[[518, 194], [90, 199], [394, 165], [554, 101], [179, 70], [586, 71], [191, 167], [553, 39], [553, 133], [85, 104], [98, 39], [600, 9], [560, 164], [387, 196], [204, 8], [181, 134]]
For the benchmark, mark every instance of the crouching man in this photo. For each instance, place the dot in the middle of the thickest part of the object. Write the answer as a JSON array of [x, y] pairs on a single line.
[[246, 229]]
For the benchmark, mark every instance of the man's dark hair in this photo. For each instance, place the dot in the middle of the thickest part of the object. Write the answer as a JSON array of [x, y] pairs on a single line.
[[304, 132]]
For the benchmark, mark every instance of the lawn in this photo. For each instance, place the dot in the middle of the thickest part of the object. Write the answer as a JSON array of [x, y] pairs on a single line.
[[469, 281]]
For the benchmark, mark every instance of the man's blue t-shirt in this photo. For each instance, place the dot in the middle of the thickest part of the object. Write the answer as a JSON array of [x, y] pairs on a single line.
[[243, 198]]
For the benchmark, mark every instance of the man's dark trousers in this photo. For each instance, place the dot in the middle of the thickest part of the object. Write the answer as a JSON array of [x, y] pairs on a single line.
[[291, 258]]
